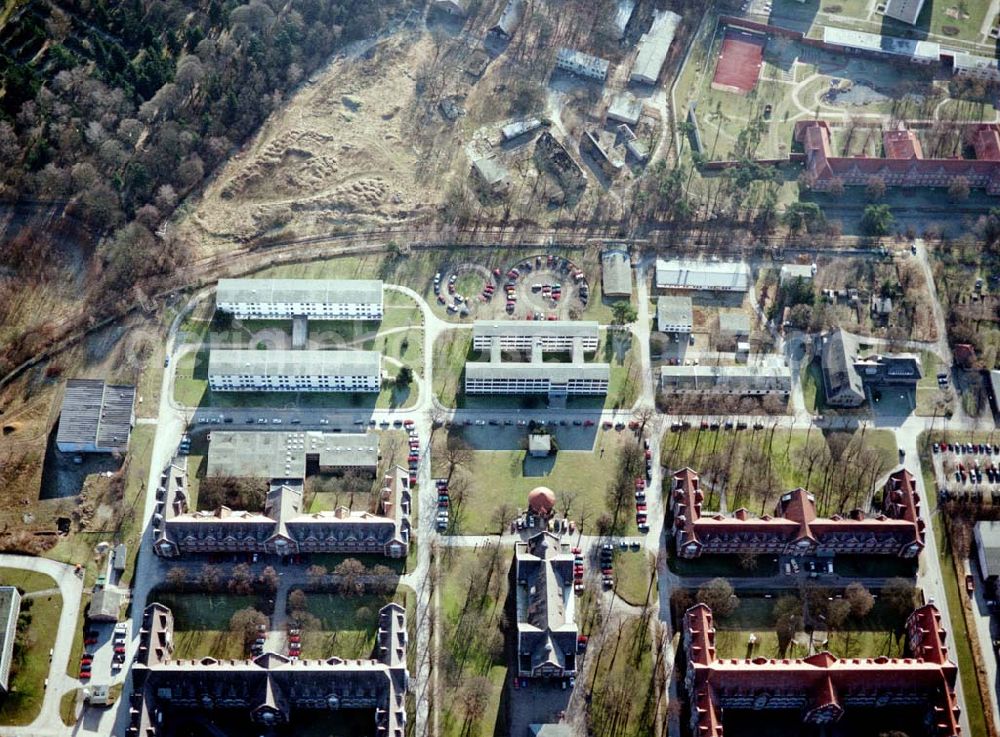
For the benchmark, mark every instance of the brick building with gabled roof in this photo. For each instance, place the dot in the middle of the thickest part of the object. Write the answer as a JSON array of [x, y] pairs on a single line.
[[821, 687], [904, 164], [796, 528], [271, 689]]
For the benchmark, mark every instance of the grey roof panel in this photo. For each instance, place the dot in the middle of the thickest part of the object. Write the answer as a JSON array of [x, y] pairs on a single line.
[[229, 362], [555, 371], [308, 291], [501, 328], [282, 455], [96, 413], [691, 274]]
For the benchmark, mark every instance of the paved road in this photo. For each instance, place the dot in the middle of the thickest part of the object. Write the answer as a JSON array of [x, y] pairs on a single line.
[[71, 587], [577, 428]]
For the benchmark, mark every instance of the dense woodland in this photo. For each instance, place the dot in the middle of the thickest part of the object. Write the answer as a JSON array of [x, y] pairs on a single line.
[[120, 109]]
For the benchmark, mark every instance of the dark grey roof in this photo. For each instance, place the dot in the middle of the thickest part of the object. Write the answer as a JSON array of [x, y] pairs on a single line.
[[988, 540], [95, 413], [839, 374], [616, 273]]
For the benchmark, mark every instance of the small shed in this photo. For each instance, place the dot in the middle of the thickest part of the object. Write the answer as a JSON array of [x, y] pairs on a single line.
[[121, 556]]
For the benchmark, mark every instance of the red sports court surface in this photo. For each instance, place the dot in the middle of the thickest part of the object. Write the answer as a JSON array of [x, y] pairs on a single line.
[[739, 62]]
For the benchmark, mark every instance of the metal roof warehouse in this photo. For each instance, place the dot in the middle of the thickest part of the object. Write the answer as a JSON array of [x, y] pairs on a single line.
[[95, 417]]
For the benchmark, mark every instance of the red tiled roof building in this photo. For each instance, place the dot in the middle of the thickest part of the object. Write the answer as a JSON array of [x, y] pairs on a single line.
[[795, 529], [904, 164], [821, 686]]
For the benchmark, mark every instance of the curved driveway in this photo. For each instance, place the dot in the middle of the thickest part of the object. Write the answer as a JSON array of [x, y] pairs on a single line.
[[70, 586]]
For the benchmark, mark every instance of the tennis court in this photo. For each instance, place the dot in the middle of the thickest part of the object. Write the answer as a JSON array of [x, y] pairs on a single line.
[[739, 64]]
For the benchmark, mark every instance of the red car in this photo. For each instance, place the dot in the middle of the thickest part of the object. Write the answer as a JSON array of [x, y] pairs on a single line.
[[84, 675], [90, 641], [295, 638], [588, 423], [640, 507], [120, 649], [576, 551]]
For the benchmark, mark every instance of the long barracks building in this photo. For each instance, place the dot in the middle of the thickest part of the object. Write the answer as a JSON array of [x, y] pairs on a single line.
[[795, 528], [293, 371], [317, 299], [271, 690], [822, 687]]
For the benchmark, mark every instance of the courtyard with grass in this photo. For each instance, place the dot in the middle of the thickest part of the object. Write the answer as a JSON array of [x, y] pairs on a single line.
[[202, 623], [753, 468], [347, 626], [496, 482], [41, 607], [471, 662]]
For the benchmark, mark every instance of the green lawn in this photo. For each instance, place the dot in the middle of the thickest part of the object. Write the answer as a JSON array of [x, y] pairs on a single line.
[[191, 390], [959, 635], [625, 685], [877, 634], [929, 396], [498, 478], [633, 571], [621, 350], [473, 590], [201, 623], [348, 624], [757, 466], [813, 394], [30, 664]]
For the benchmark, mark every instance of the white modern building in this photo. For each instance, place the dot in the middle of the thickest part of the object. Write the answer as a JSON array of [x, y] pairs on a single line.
[[745, 380], [791, 272], [317, 299], [552, 379], [905, 11], [581, 64], [10, 610], [522, 335], [674, 314], [709, 276], [286, 371], [654, 47], [978, 67]]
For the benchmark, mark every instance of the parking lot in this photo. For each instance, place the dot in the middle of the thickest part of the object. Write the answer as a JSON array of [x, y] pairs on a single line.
[[966, 470]]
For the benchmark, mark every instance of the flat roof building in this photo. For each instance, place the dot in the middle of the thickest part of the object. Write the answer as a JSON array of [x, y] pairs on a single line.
[[285, 455], [921, 52], [745, 380], [553, 379], [546, 607], [714, 276], [979, 67], [10, 610], [616, 273], [905, 11], [491, 172], [95, 417], [272, 689], [986, 535], [674, 314], [318, 299], [581, 64], [522, 335], [519, 128], [285, 371], [654, 45], [625, 108], [790, 272]]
